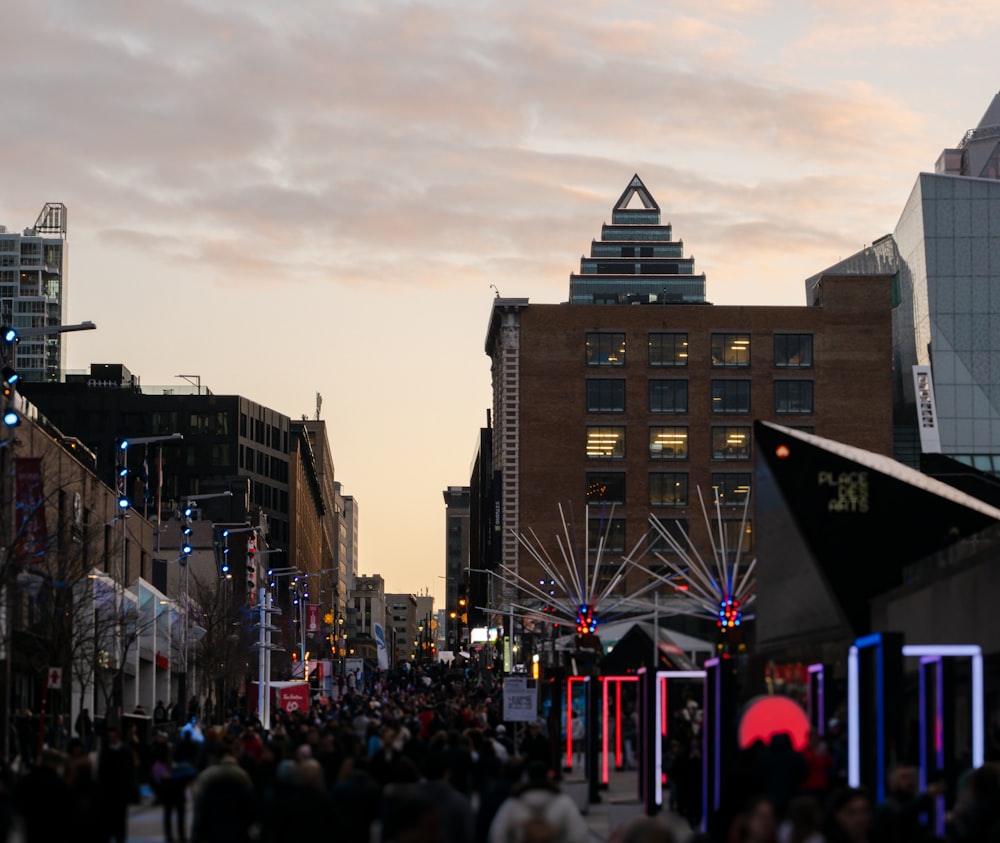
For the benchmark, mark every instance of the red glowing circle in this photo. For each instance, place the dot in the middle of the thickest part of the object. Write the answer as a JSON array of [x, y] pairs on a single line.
[[782, 452], [765, 717]]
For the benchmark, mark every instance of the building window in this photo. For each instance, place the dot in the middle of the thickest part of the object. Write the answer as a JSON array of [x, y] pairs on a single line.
[[731, 350], [793, 396], [164, 422], [605, 487], [668, 396], [730, 443], [732, 487], [677, 529], [611, 530], [730, 396], [606, 443], [605, 349], [793, 351], [668, 349], [737, 535], [668, 443], [668, 488], [605, 395]]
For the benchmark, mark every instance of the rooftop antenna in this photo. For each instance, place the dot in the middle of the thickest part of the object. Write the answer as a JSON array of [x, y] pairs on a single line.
[[194, 380], [319, 404], [493, 287]]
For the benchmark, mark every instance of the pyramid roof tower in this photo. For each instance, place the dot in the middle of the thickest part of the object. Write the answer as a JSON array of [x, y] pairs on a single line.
[[636, 261], [978, 153]]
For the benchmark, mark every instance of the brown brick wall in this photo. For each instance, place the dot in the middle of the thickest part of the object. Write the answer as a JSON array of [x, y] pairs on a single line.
[[852, 393]]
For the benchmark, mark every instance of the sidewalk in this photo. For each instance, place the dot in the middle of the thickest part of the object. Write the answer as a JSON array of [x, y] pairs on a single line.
[[619, 803]]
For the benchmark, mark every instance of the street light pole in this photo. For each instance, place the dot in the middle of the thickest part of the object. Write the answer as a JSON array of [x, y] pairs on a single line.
[[264, 646], [124, 504]]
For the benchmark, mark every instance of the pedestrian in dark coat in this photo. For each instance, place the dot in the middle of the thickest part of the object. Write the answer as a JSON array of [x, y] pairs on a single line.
[[117, 784], [43, 797]]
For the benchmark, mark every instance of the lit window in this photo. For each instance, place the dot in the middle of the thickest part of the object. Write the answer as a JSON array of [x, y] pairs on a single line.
[[730, 443], [668, 443], [793, 396], [668, 489], [605, 395], [606, 443], [668, 349], [605, 349], [731, 350], [732, 487], [668, 396], [605, 487], [730, 396], [793, 351]]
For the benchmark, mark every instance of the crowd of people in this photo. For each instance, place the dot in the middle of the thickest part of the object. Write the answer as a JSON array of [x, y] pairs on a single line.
[[425, 757]]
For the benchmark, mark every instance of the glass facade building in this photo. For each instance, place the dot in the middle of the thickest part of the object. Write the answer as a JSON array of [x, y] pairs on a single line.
[[945, 256]]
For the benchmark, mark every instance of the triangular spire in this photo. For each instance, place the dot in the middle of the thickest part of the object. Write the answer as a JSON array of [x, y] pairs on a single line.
[[636, 188], [992, 115]]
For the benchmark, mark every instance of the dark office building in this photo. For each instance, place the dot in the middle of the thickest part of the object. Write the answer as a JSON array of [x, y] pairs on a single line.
[[228, 439], [484, 526]]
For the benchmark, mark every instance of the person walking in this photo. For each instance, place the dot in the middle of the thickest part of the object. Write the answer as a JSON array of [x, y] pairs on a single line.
[[117, 785], [85, 729], [538, 812]]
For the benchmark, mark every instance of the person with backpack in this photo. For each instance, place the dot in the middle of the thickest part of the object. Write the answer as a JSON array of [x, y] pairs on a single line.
[[538, 812]]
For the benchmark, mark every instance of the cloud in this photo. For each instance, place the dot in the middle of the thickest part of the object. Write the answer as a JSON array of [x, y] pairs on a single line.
[[410, 143]]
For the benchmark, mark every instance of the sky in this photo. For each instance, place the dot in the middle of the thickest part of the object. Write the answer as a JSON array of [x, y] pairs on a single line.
[[291, 199]]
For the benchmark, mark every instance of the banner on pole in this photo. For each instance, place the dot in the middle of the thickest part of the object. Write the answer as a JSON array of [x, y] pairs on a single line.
[[312, 617], [31, 542], [383, 652]]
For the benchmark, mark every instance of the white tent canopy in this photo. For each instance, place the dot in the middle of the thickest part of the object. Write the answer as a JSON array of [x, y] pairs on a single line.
[[669, 640]]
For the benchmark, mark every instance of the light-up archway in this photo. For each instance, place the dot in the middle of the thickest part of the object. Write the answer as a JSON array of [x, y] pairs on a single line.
[[878, 649]]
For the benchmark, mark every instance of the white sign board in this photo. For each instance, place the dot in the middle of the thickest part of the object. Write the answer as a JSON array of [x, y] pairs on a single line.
[[55, 678], [520, 699]]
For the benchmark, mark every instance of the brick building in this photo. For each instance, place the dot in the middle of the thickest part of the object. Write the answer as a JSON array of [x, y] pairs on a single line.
[[636, 402]]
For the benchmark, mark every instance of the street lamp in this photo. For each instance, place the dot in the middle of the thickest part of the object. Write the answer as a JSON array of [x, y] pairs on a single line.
[[124, 504], [264, 645]]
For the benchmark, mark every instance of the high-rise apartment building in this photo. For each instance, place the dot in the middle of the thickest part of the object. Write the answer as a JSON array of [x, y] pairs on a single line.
[[631, 403], [33, 291]]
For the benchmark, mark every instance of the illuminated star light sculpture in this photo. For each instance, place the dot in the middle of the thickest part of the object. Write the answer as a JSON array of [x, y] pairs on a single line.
[[572, 591], [716, 588]]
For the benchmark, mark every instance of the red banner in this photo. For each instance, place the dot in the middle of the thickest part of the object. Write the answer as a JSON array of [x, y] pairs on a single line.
[[294, 698], [312, 617], [31, 537]]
